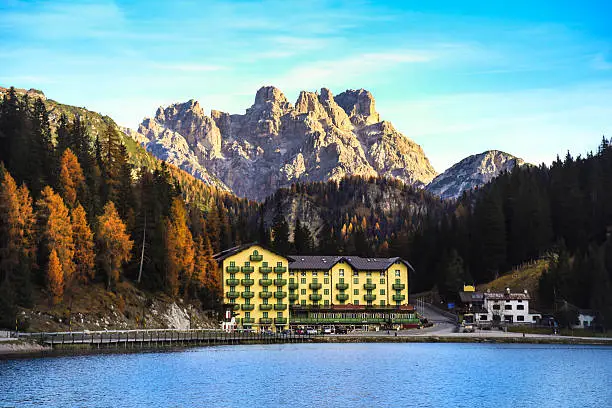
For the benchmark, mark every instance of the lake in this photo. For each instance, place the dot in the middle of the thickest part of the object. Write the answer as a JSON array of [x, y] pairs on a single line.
[[323, 375]]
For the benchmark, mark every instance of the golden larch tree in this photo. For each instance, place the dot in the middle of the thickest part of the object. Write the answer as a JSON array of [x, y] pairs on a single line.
[[72, 180], [180, 251], [114, 244], [10, 226], [55, 230], [55, 278], [84, 255]]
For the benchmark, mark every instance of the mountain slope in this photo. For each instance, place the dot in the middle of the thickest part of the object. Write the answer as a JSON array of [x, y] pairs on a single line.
[[275, 143], [471, 172]]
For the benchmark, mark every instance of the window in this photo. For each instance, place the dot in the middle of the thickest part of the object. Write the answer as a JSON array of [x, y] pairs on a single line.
[[303, 302], [303, 274], [314, 273], [483, 317], [326, 303], [291, 273], [303, 291], [247, 301], [496, 307], [382, 302], [255, 252], [279, 276], [291, 280], [326, 291], [265, 301], [355, 273], [382, 291], [520, 307], [303, 281], [247, 263], [247, 315], [264, 276], [356, 281], [265, 315], [326, 273], [397, 281], [315, 280], [356, 302], [326, 281], [232, 300], [397, 272], [369, 280], [368, 273], [341, 280], [264, 264], [355, 291], [382, 281], [232, 263], [247, 276], [279, 264], [382, 274], [520, 318], [341, 272], [279, 315], [232, 276], [508, 307]]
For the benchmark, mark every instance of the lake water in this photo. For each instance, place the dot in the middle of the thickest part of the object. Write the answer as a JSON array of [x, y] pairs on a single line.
[[321, 375]]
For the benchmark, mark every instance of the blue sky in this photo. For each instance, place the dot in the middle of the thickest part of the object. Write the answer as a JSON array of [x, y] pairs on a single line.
[[532, 80]]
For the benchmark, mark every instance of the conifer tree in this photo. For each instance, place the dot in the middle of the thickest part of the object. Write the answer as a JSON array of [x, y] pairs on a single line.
[[84, 255], [280, 231], [179, 248], [72, 180], [55, 231], [113, 243], [55, 278]]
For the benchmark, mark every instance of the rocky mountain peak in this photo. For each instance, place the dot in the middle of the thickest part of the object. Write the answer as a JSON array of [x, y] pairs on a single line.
[[473, 171], [270, 95], [275, 144], [359, 105]]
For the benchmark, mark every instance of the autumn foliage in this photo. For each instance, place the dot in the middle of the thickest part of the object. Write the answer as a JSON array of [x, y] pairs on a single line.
[[84, 255], [55, 278], [180, 250], [72, 179], [114, 244]]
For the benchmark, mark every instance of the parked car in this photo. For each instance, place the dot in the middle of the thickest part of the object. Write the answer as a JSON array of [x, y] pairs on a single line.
[[300, 331], [341, 330], [312, 331], [327, 330]]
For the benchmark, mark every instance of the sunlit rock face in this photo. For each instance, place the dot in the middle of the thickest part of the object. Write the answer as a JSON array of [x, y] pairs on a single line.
[[274, 143]]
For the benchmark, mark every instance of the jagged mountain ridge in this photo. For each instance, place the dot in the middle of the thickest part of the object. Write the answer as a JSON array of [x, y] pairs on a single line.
[[472, 172], [275, 143]]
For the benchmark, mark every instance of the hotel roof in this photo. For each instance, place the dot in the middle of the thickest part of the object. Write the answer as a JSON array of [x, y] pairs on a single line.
[[318, 262]]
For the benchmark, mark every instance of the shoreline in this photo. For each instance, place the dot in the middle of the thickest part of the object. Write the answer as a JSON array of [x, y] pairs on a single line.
[[24, 349]]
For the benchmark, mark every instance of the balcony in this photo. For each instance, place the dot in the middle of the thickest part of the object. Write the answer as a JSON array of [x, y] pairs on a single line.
[[247, 282], [281, 306], [248, 295], [232, 282], [265, 320], [342, 297], [399, 298], [280, 320], [342, 286], [265, 307], [265, 295], [247, 269], [280, 269], [265, 269], [236, 307], [369, 297], [248, 320], [315, 286], [293, 286], [256, 258], [232, 269], [315, 297], [369, 286], [265, 282], [232, 295], [248, 307], [280, 282], [280, 295], [293, 297], [398, 286]]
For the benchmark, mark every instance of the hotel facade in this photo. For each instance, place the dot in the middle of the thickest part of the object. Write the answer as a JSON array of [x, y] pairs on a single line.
[[269, 291]]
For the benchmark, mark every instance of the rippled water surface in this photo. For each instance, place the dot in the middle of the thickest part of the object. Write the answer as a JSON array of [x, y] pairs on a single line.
[[322, 375]]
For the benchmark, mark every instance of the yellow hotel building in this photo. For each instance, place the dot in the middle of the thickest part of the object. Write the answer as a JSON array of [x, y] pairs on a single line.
[[269, 291]]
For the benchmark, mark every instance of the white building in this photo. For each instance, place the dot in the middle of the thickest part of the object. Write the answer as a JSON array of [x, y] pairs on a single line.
[[510, 308]]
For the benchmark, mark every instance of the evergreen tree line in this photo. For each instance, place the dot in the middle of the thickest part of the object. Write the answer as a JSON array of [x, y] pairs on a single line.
[[563, 212], [74, 211]]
